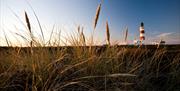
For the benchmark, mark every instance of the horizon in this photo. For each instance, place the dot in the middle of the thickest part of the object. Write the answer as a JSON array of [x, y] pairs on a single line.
[[160, 17]]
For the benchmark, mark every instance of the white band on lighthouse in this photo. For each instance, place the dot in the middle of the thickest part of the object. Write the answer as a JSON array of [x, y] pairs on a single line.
[[141, 29], [141, 34]]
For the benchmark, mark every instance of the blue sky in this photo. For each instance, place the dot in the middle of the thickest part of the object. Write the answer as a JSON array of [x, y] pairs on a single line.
[[161, 18]]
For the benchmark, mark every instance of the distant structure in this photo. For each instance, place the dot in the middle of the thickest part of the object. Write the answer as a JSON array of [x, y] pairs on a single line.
[[136, 42], [142, 33], [161, 42]]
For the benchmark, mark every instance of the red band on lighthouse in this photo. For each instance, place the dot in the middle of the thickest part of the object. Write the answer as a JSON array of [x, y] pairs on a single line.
[[142, 32]]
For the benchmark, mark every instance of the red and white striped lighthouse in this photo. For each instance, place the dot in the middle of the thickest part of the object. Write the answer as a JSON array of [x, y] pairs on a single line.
[[142, 33]]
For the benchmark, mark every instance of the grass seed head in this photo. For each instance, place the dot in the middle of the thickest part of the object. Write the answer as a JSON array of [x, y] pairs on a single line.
[[107, 33], [28, 22], [83, 40], [126, 35], [78, 28], [97, 15]]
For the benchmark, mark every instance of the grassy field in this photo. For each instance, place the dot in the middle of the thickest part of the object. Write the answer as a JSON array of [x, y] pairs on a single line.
[[109, 68]]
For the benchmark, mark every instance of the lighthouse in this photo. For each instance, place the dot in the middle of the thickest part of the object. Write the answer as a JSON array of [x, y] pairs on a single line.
[[142, 34]]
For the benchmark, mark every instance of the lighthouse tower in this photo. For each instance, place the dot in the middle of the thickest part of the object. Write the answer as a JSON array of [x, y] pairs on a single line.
[[142, 33]]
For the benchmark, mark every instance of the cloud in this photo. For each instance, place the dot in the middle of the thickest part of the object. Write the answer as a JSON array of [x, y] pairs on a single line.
[[169, 37], [165, 34]]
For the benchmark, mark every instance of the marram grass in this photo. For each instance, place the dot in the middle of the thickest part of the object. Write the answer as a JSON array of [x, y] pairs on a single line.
[[75, 68], [88, 68]]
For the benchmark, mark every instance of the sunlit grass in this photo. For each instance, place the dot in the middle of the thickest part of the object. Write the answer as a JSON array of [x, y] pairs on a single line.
[[48, 66]]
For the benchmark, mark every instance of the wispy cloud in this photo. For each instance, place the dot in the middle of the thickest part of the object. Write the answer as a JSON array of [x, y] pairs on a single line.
[[164, 34], [169, 37]]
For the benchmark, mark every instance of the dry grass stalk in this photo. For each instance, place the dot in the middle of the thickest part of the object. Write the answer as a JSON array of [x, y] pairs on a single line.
[[121, 74], [107, 33], [126, 34], [37, 21], [6, 38], [81, 35], [110, 75], [83, 38], [39, 26], [28, 22], [97, 15], [29, 28], [78, 28]]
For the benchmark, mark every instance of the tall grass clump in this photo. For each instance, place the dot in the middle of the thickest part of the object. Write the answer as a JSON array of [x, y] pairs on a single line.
[[74, 68]]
